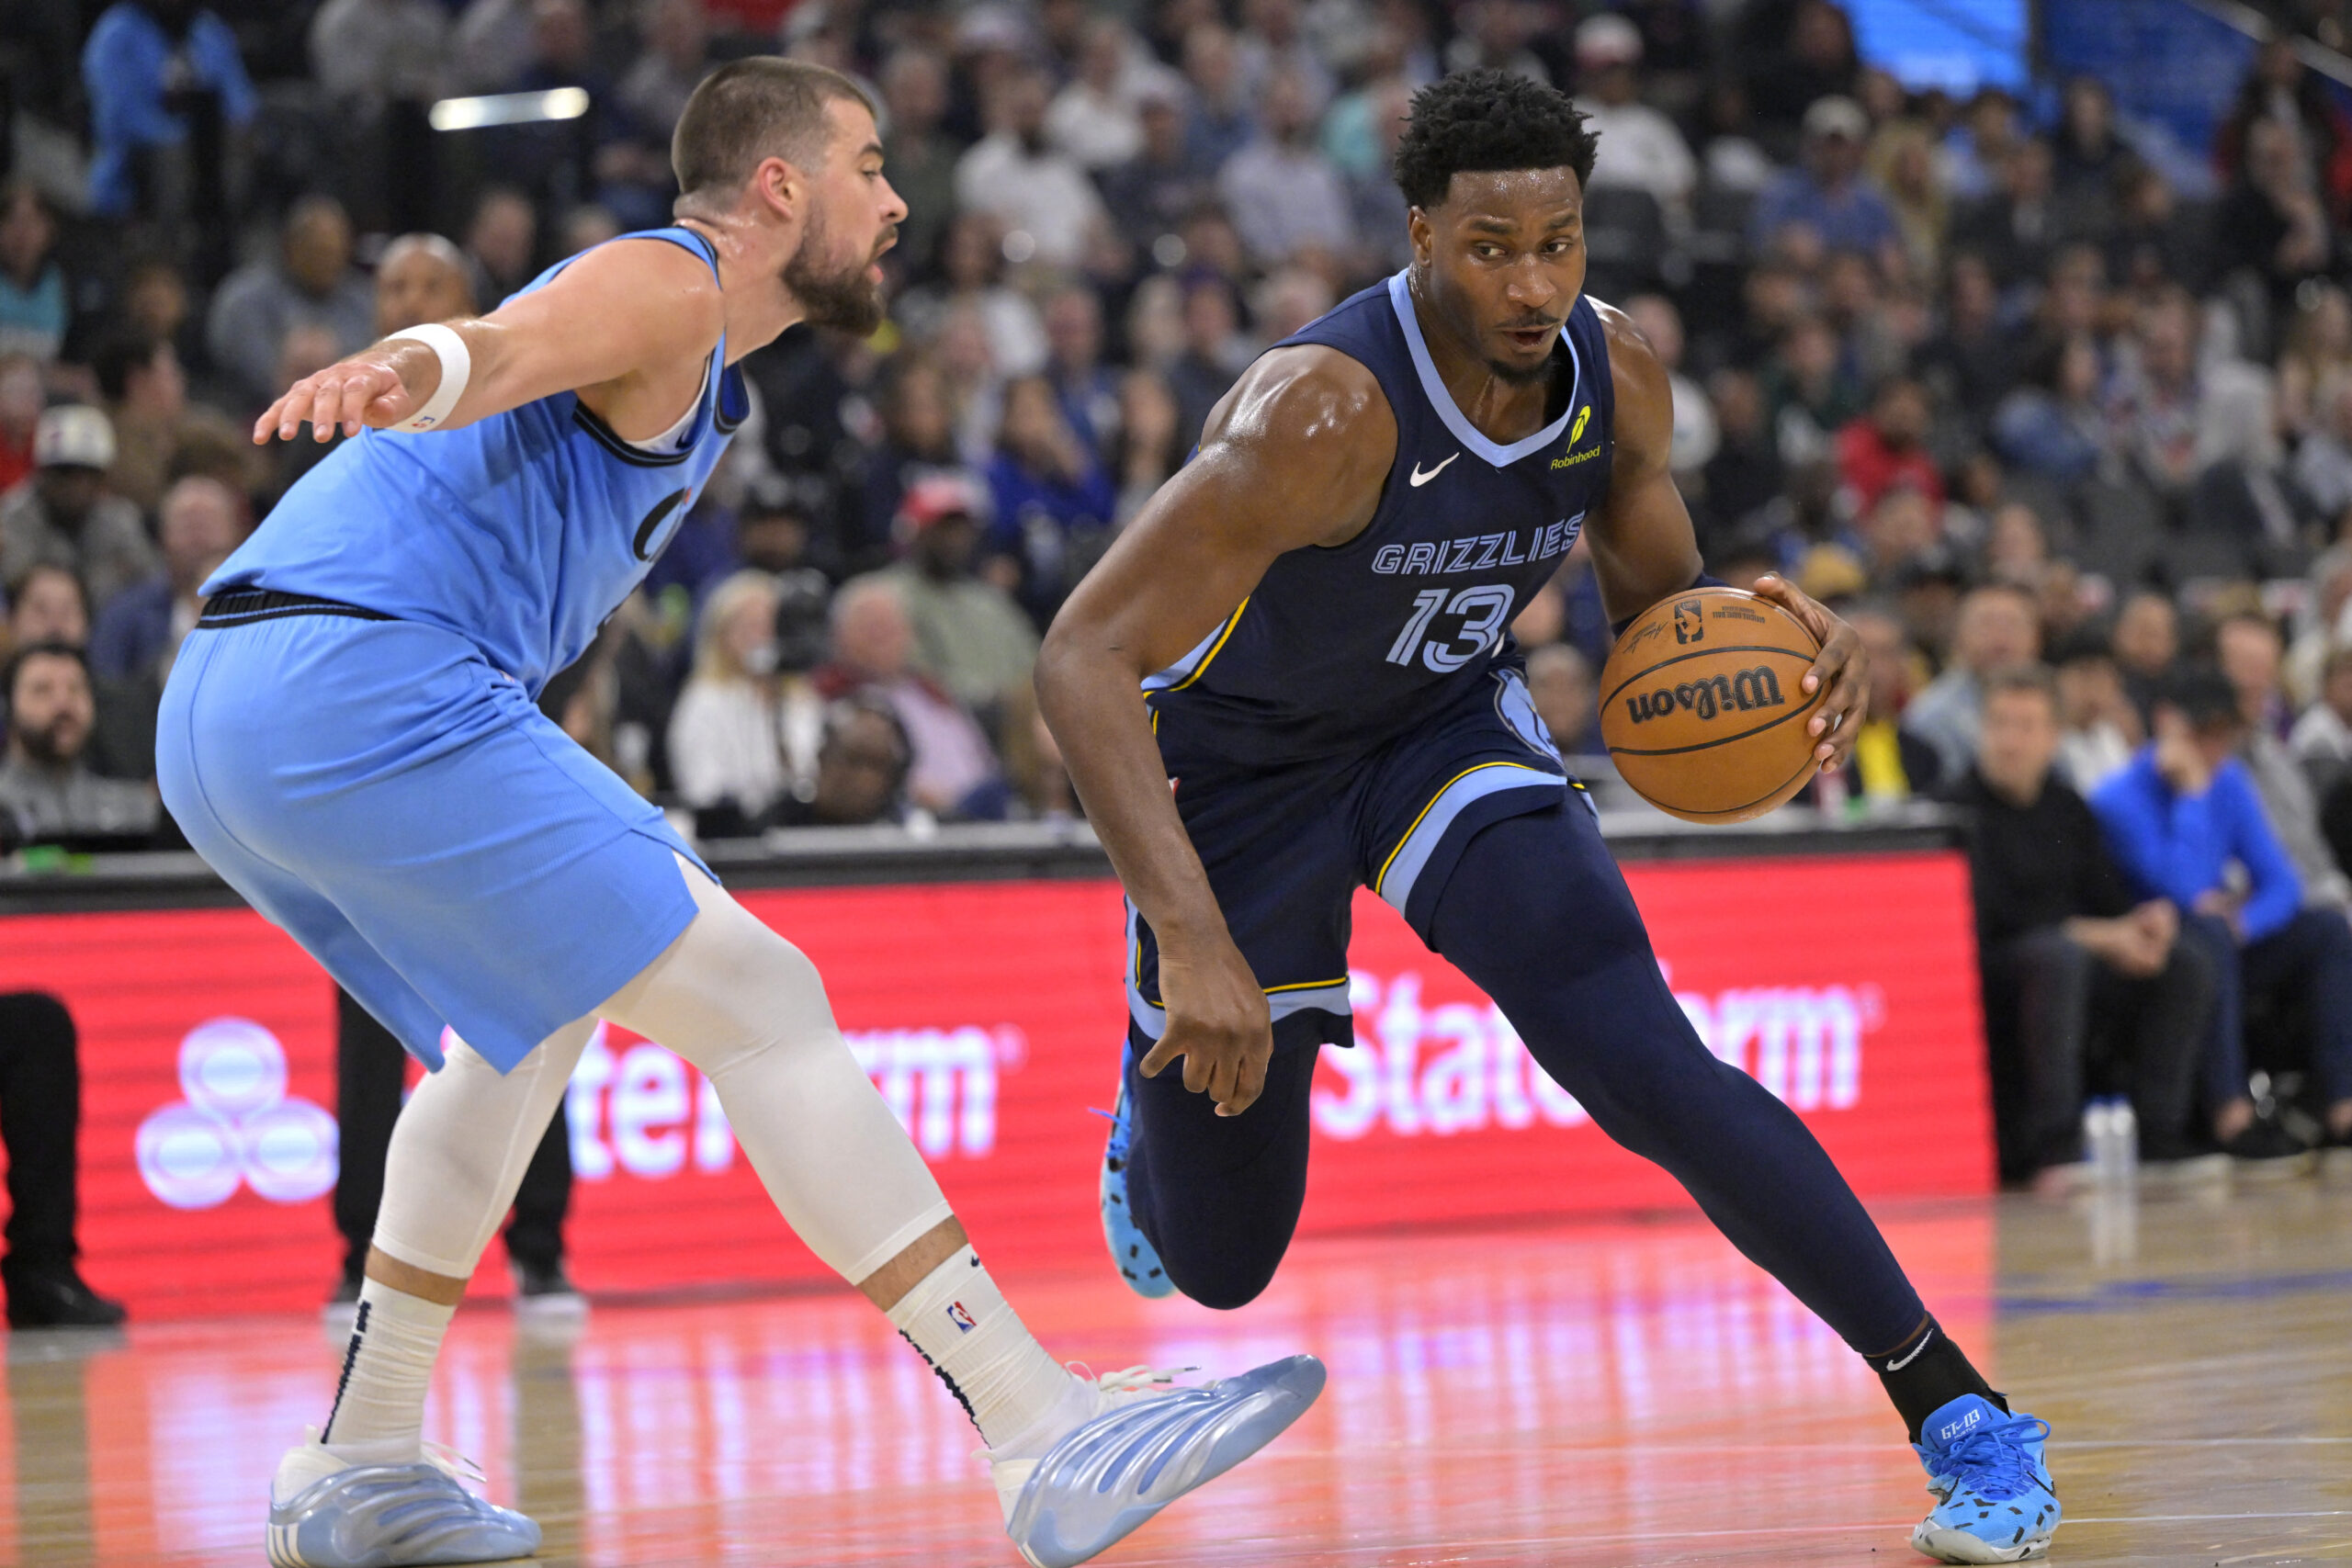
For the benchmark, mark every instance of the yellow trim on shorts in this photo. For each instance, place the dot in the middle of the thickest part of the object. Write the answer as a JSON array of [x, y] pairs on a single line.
[[1415, 827]]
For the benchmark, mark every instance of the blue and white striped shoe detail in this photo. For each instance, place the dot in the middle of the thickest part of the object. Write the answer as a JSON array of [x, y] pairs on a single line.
[[1152, 1444], [1995, 1501], [387, 1516], [1136, 1259]]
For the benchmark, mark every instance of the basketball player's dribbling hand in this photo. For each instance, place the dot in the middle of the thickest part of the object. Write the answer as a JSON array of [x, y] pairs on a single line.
[[1218, 1022], [1842, 665], [362, 391]]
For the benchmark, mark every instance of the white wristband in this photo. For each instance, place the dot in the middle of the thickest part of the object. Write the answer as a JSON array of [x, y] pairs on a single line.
[[457, 368]]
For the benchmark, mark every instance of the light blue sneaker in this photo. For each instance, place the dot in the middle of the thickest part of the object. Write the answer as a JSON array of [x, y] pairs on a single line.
[[1995, 1501], [1137, 1262], [1150, 1444], [326, 1514]]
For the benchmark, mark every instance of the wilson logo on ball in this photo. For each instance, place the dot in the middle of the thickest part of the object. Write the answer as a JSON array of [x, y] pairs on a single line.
[[1743, 692]]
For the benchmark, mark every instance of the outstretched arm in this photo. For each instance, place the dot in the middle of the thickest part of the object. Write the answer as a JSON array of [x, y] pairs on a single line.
[[1644, 550], [616, 321], [1296, 455]]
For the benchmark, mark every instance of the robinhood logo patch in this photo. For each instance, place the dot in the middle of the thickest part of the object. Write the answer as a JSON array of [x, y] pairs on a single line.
[[1576, 433]]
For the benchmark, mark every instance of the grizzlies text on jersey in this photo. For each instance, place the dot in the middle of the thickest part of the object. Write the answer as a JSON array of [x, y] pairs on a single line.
[[1338, 649]]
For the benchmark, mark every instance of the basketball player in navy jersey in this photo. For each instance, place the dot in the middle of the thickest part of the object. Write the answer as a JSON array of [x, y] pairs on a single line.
[[352, 741], [1292, 675]]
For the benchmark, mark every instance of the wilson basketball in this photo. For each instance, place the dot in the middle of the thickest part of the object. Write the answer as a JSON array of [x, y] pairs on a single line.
[[1704, 708]]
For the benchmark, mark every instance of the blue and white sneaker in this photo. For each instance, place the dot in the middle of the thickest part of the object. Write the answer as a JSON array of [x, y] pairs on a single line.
[[1137, 1262], [1995, 1501], [325, 1513], [1150, 1444]]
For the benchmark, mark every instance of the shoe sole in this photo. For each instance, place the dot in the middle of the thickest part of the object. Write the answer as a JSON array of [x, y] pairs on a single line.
[[1148, 1279], [1037, 1528], [1959, 1546]]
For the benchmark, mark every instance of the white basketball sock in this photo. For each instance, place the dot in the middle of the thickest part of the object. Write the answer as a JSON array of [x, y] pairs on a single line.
[[378, 1416], [1021, 1398]]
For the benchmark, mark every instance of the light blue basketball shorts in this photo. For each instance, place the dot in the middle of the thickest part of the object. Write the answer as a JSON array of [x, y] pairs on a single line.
[[409, 816]]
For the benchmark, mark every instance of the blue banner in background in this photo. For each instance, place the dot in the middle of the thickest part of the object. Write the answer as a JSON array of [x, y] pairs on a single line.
[[1957, 45]]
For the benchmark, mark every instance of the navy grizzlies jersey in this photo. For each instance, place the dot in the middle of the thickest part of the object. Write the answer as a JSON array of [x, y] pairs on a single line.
[[1340, 648]]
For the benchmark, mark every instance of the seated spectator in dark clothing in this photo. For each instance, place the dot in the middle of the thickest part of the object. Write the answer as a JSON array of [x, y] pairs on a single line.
[[918, 443], [862, 769], [66, 516], [139, 630], [40, 1117], [1054, 499], [2176, 819], [2063, 943], [1149, 197], [1213, 357], [2153, 241], [34, 309], [2017, 227], [48, 793], [422, 278], [146, 395], [1089, 390], [2053, 424], [309, 282], [2147, 641], [1973, 360], [46, 606], [2273, 220]]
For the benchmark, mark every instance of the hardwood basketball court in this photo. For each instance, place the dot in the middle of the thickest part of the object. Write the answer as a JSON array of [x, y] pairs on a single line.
[[1614, 1395]]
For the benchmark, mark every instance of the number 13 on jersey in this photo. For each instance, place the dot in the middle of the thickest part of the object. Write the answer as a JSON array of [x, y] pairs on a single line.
[[1484, 610]]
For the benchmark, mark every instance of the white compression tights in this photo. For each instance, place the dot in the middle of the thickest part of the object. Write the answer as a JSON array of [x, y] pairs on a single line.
[[745, 1006]]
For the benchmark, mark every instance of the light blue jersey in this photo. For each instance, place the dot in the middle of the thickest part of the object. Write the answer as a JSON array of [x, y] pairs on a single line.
[[520, 533]]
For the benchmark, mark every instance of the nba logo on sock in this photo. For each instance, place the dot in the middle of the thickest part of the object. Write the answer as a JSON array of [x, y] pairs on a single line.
[[960, 1318]]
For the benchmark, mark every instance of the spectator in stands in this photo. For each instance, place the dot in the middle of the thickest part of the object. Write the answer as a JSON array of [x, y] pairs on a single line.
[[2088, 154], [953, 771], [1221, 119], [675, 59], [47, 790], [2053, 425], [21, 401], [2063, 943], [1887, 447], [1811, 392], [422, 278], [45, 604], [159, 72], [2152, 241], [920, 156], [862, 765], [1094, 118], [1152, 444], [40, 1121], [918, 441], [1560, 682], [2099, 728], [1996, 630], [34, 311], [1888, 763], [1053, 499], [1150, 195], [1972, 361], [1037, 192], [2146, 642], [2273, 223], [1640, 147], [1828, 194], [502, 243], [2176, 819], [2323, 465], [67, 517], [2016, 227], [1284, 196], [139, 631], [2314, 358], [1903, 161], [1695, 438], [2176, 420], [154, 422], [2322, 741], [1088, 389], [1791, 56], [1496, 35], [2247, 646], [727, 743], [969, 636], [1272, 43], [971, 268], [309, 282]]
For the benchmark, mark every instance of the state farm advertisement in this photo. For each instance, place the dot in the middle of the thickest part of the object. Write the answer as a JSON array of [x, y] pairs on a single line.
[[990, 1016]]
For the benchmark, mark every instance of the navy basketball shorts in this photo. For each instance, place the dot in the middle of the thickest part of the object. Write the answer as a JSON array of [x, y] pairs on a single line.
[[1287, 849]]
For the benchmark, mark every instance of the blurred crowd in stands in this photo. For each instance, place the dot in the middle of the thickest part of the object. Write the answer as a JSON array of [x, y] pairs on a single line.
[[2052, 407]]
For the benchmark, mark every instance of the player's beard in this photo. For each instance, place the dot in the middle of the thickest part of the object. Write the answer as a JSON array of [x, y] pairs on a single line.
[[840, 297]]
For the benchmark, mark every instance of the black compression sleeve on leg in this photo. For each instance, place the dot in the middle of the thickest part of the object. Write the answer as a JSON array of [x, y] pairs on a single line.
[[1927, 1373], [1617, 628]]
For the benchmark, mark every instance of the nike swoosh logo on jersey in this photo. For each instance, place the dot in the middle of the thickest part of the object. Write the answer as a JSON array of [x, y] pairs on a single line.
[[1421, 479]]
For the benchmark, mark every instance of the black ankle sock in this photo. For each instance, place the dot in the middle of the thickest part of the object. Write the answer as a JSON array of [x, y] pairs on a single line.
[[1927, 1373]]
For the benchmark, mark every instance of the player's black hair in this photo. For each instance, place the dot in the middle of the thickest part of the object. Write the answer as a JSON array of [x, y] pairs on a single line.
[[1480, 120]]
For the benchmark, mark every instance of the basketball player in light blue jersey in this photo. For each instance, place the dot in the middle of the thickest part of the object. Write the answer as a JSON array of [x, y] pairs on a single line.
[[351, 740]]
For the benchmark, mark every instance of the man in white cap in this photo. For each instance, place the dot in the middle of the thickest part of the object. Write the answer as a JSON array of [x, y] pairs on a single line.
[[1639, 146], [65, 516], [1827, 192]]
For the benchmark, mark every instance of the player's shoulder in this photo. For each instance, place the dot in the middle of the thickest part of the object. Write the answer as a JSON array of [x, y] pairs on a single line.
[[1304, 393], [1637, 378], [646, 267]]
